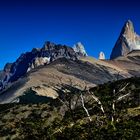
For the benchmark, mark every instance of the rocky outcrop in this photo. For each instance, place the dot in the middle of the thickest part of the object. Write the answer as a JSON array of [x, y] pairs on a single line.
[[39, 61], [127, 41], [101, 56], [79, 49], [45, 91], [6, 70], [4, 75]]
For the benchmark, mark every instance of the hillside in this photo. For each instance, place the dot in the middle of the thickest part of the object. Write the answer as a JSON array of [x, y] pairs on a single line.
[[57, 73], [66, 117], [128, 65]]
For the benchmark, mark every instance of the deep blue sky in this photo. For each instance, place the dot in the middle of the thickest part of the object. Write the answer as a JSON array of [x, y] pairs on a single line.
[[29, 23]]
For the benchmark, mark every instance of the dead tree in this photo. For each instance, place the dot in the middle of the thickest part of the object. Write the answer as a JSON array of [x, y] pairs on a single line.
[[86, 110], [117, 97], [98, 101]]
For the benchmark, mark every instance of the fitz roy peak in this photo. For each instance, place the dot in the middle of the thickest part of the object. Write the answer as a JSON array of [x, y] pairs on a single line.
[[127, 41]]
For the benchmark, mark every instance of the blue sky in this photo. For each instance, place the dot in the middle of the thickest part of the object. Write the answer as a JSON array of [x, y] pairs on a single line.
[[29, 23]]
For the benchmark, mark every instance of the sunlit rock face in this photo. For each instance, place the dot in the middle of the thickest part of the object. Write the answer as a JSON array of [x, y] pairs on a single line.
[[80, 49], [39, 61], [127, 41], [101, 56]]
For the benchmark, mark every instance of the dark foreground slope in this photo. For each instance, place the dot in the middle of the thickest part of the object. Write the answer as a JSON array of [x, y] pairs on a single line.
[[66, 118]]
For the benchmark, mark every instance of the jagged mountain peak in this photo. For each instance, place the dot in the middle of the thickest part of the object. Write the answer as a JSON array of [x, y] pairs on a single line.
[[80, 49], [129, 25], [127, 41], [128, 30], [48, 45]]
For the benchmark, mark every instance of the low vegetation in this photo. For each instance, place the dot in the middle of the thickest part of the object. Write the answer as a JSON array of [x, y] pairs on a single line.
[[110, 111]]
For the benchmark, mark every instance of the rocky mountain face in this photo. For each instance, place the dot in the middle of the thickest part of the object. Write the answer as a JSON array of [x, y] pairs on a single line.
[[4, 73], [101, 56], [38, 57], [127, 41], [79, 49], [7, 67]]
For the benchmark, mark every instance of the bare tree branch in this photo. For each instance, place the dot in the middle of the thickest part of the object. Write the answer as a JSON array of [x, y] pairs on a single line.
[[123, 96], [116, 99], [98, 101], [113, 109], [82, 99], [63, 102], [120, 90]]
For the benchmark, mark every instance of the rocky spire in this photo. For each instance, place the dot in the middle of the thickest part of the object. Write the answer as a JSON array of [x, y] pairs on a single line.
[[127, 41], [79, 49], [101, 56]]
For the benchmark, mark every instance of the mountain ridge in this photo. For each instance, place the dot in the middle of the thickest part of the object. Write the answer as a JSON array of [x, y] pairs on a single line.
[[38, 57]]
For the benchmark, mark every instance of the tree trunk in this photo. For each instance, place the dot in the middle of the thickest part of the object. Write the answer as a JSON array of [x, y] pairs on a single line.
[[82, 99]]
